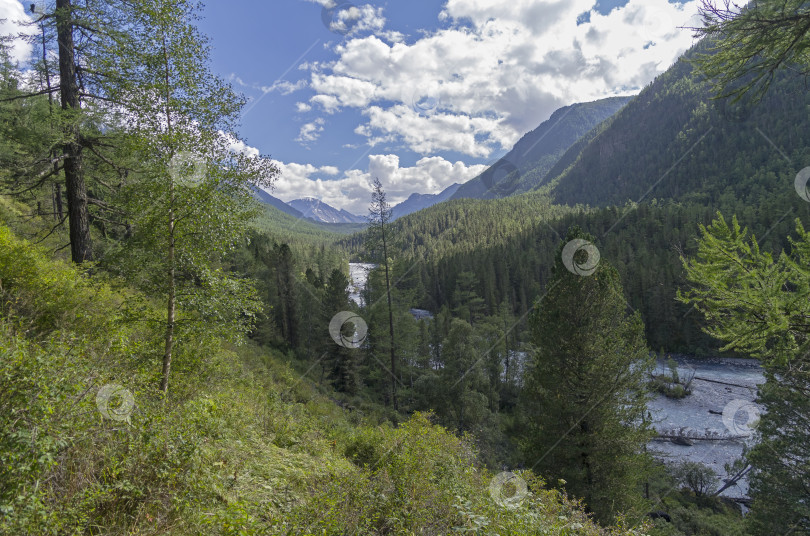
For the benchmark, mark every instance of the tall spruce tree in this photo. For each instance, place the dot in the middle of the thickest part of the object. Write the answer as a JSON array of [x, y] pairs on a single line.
[[584, 390], [342, 363]]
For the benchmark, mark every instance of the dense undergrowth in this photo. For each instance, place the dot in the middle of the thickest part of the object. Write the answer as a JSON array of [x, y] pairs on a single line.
[[243, 443]]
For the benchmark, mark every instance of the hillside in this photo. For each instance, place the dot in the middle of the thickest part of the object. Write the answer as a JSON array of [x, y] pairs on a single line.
[[674, 142], [245, 444], [525, 166], [275, 202], [680, 154]]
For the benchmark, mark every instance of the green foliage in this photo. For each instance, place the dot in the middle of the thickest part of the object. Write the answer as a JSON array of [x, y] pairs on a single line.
[[527, 165], [691, 514], [741, 291], [246, 447], [584, 399], [671, 384], [419, 478], [700, 479], [758, 304], [751, 43]]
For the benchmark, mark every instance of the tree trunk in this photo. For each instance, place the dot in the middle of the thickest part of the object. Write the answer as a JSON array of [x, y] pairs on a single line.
[[57, 188], [171, 305], [170, 309], [79, 220], [57, 202], [390, 322]]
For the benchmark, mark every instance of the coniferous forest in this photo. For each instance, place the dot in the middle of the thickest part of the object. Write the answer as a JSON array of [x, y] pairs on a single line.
[[179, 357]]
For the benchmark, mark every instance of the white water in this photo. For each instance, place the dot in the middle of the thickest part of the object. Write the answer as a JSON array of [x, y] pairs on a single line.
[[358, 276], [690, 416]]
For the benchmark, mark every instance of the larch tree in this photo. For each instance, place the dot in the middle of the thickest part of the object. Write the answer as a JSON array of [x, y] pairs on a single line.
[[751, 42], [379, 228], [760, 305]]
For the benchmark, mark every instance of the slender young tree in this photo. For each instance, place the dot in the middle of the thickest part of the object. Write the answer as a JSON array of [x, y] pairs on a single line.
[[584, 392], [379, 219], [191, 196]]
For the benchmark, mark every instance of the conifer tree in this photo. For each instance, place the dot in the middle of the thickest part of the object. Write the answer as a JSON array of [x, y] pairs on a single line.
[[760, 305], [584, 391], [379, 228]]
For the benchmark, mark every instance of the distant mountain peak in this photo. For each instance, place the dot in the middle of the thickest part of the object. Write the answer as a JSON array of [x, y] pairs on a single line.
[[316, 209], [417, 201]]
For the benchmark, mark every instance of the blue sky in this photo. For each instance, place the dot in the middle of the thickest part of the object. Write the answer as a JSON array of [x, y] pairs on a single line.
[[421, 93]]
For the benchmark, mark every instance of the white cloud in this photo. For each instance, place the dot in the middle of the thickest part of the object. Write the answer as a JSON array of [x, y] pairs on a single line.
[[499, 69], [285, 87], [348, 19], [12, 22], [310, 131], [302, 107], [328, 103], [352, 191], [239, 146]]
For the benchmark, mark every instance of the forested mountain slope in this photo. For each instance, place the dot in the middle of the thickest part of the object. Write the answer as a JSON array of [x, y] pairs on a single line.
[[273, 201], [673, 141], [681, 155], [526, 165], [247, 444], [417, 201]]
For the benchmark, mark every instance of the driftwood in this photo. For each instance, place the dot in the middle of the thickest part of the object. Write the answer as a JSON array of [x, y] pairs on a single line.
[[683, 435], [733, 481], [724, 383]]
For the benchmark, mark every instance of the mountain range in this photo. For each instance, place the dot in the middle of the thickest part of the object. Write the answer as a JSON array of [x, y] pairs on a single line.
[[320, 211], [273, 201], [525, 166], [418, 202]]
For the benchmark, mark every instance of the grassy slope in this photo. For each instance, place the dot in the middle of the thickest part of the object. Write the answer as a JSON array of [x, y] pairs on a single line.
[[244, 444]]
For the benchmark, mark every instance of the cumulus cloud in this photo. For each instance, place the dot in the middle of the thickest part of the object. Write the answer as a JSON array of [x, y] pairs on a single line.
[[352, 191], [239, 146], [12, 22], [498, 69], [310, 131]]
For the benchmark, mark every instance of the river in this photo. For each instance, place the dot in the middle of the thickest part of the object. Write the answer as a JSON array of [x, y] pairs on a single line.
[[717, 416], [358, 276], [720, 385]]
